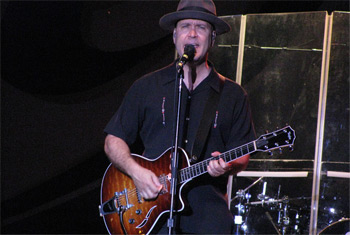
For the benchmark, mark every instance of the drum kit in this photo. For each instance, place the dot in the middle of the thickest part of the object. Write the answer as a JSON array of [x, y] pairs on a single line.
[[279, 214]]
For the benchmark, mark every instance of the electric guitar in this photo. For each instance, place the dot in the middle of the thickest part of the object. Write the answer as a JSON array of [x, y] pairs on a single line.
[[125, 211]]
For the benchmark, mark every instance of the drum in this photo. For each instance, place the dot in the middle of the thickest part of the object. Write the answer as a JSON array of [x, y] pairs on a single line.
[[269, 219], [340, 227], [257, 221]]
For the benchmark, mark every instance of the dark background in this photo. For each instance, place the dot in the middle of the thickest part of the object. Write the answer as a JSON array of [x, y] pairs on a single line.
[[65, 67]]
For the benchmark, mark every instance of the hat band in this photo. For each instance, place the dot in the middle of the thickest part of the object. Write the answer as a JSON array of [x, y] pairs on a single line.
[[196, 9]]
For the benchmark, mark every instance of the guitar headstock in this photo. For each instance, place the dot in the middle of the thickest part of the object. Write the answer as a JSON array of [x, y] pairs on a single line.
[[279, 139]]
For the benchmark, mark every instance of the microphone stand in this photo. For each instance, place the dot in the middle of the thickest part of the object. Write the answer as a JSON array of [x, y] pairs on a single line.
[[175, 154]]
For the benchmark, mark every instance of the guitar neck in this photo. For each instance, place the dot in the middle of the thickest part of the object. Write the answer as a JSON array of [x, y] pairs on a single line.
[[200, 168]]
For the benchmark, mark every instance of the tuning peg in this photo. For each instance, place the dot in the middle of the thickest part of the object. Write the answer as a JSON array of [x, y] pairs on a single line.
[[291, 148]]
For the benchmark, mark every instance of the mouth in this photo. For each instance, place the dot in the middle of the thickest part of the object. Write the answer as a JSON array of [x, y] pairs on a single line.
[[194, 48], [195, 45]]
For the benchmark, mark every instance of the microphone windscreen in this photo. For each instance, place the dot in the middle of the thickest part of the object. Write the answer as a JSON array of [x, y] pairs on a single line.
[[190, 51]]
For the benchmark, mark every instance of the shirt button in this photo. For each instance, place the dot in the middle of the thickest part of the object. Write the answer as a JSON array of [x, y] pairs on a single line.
[[187, 119], [189, 97], [186, 141], [194, 159]]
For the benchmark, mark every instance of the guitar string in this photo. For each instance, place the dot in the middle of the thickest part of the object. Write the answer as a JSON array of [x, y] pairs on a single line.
[[133, 192]]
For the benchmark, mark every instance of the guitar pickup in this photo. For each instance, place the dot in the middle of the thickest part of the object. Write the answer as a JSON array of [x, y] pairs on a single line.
[[114, 204]]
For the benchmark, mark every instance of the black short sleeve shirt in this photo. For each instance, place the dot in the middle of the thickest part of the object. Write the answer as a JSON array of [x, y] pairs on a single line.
[[147, 111]]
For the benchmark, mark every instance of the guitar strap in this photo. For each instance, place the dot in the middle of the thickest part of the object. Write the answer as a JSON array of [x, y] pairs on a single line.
[[209, 114]]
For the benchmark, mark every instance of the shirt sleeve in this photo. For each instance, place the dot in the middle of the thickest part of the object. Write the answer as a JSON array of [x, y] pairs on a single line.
[[242, 130], [125, 123]]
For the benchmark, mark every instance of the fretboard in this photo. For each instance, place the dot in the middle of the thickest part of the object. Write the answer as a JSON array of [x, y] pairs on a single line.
[[200, 168]]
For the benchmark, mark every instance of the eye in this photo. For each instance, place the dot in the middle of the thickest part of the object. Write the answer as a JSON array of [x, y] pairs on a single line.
[[184, 26], [202, 27]]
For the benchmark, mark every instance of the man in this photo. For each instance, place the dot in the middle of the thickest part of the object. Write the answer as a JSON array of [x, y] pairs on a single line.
[[147, 113]]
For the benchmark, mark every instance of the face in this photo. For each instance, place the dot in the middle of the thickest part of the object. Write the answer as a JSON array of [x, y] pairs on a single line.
[[196, 32]]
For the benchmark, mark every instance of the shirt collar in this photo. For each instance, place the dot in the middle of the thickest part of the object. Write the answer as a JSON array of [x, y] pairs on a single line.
[[214, 79]]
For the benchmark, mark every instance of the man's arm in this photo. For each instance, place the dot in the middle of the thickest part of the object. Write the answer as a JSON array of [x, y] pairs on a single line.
[[145, 180]]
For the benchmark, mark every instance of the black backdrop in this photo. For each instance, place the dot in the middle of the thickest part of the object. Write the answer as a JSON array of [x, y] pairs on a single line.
[[65, 67]]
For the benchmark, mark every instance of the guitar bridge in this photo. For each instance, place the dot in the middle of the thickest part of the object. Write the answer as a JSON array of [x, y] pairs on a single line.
[[114, 205]]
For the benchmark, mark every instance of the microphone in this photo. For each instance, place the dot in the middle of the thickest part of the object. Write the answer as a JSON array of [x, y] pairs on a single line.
[[188, 55]]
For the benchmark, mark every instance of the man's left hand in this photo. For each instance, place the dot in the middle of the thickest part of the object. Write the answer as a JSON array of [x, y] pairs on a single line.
[[220, 167]]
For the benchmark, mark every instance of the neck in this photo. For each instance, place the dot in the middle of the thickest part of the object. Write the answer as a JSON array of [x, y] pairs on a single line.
[[194, 74]]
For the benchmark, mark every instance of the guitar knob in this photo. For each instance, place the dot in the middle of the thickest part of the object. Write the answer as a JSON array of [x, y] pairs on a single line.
[[131, 221], [138, 212]]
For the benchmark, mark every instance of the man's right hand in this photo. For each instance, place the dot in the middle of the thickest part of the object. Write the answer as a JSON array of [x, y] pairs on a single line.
[[146, 182]]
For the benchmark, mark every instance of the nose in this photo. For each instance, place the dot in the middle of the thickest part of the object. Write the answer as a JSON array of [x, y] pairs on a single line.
[[193, 31]]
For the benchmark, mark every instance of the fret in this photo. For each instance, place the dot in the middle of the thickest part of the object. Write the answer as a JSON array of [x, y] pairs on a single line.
[[180, 176], [204, 165], [192, 174], [245, 150], [225, 157], [188, 174], [183, 174], [198, 168]]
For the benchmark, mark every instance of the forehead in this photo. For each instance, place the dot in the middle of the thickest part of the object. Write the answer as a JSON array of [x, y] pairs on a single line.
[[194, 22]]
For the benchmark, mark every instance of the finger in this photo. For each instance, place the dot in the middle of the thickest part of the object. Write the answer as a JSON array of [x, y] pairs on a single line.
[[156, 181], [219, 166], [213, 168], [215, 154], [223, 164], [148, 193]]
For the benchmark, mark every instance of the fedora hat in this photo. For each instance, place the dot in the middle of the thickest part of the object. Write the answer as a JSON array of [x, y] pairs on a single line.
[[195, 9]]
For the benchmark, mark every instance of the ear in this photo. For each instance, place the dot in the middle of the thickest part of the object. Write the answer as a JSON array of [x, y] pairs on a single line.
[[213, 37], [174, 35]]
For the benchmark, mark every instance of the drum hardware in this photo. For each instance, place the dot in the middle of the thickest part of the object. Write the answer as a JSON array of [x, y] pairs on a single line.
[[240, 191], [262, 196], [269, 214], [283, 215], [283, 219], [273, 223], [240, 219]]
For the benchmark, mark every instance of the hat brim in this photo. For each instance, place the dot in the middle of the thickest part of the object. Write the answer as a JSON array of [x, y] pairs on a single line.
[[169, 21]]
